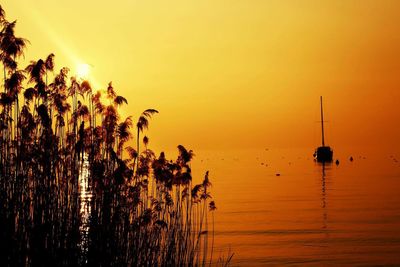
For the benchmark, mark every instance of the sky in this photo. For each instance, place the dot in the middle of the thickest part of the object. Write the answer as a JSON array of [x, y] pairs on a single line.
[[234, 74]]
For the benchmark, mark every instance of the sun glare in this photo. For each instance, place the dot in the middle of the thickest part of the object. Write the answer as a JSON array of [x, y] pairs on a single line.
[[82, 70]]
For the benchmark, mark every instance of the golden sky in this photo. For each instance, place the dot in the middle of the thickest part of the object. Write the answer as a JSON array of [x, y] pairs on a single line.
[[234, 74]]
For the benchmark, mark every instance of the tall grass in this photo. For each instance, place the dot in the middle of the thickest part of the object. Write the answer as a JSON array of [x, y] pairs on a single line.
[[137, 209]]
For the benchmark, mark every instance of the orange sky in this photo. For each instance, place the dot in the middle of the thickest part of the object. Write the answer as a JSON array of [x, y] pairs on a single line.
[[234, 74]]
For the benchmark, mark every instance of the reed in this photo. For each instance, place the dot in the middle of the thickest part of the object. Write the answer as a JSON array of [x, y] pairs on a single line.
[[72, 193]]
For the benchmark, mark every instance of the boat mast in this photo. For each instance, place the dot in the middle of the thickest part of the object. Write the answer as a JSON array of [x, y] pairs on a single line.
[[322, 123]]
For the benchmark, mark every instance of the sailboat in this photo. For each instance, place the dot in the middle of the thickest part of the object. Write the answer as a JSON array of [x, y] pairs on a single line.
[[323, 153]]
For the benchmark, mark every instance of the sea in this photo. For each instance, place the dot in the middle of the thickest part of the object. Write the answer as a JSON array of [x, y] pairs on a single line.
[[279, 207]]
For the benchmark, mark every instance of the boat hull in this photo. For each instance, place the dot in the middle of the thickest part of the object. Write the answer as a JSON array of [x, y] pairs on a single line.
[[323, 154]]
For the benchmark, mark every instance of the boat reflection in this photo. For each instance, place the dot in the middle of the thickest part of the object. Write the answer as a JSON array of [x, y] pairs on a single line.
[[325, 169]]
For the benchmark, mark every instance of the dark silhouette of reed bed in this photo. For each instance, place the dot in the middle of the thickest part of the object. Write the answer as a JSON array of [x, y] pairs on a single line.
[[58, 139]]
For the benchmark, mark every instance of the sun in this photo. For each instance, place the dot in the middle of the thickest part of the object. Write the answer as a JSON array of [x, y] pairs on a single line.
[[82, 70]]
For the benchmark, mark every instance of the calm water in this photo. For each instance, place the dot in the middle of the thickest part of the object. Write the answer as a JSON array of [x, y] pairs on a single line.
[[310, 214]]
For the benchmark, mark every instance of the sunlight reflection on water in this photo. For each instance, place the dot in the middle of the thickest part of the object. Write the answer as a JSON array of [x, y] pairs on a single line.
[[85, 197]]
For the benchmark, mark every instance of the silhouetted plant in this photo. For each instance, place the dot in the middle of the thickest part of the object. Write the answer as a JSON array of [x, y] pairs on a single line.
[[69, 196]]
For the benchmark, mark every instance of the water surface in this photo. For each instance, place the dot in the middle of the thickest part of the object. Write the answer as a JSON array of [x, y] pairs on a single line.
[[308, 215]]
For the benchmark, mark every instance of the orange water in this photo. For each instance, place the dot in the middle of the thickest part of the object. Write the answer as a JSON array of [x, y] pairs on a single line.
[[309, 215]]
